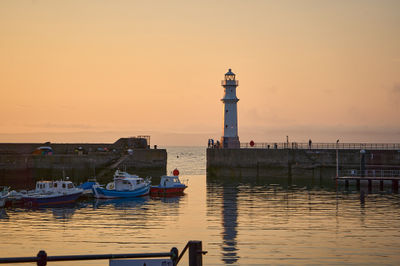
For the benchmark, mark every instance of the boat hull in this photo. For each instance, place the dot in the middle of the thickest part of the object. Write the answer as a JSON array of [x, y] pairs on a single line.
[[2, 202], [102, 193], [50, 200], [161, 191]]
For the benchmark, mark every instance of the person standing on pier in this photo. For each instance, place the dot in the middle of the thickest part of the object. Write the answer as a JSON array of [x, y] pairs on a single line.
[[309, 144]]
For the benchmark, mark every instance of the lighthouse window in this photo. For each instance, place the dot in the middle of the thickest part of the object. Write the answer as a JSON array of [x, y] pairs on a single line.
[[226, 110], [226, 126]]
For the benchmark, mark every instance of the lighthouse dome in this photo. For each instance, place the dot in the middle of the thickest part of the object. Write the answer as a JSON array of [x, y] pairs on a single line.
[[230, 75]]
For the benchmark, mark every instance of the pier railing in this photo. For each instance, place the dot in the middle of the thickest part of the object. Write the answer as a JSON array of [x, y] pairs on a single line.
[[195, 256], [322, 146], [371, 173]]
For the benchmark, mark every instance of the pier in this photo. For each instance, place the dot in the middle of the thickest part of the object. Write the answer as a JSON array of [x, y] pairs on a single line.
[[372, 175], [22, 164], [296, 160]]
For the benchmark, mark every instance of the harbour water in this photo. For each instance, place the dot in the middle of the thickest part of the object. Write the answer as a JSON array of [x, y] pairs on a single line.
[[240, 223]]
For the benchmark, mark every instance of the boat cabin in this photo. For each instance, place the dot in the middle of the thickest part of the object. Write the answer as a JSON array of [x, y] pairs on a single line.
[[170, 181], [53, 186], [125, 181]]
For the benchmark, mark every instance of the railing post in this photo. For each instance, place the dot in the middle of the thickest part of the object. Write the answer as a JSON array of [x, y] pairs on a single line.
[[42, 258], [195, 253], [174, 255]]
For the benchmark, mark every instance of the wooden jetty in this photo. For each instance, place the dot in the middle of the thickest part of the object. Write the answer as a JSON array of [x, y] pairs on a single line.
[[370, 176]]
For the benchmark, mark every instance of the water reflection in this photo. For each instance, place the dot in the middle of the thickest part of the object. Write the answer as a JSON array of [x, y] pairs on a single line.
[[63, 213], [120, 203], [3, 214], [297, 215], [240, 223], [229, 223], [169, 199]]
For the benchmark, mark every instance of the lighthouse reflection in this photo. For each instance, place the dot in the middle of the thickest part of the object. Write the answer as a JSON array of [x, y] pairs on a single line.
[[225, 206], [229, 223]]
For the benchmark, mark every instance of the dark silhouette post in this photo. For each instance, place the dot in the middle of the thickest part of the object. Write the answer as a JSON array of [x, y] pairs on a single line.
[[362, 163], [195, 253]]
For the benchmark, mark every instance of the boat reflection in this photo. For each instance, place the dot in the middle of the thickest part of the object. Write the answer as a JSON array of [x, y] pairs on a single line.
[[65, 212], [120, 203], [3, 214], [169, 199]]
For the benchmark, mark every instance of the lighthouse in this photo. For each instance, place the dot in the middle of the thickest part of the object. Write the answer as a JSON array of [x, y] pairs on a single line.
[[230, 139]]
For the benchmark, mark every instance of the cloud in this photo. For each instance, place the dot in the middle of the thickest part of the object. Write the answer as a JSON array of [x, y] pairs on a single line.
[[63, 126]]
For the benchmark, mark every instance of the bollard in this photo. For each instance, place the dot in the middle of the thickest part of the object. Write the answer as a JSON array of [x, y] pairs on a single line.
[[42, 258], [195, 253]]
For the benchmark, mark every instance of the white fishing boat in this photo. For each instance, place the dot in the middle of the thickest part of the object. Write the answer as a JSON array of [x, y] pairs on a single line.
[[52, 193], [125, 185]]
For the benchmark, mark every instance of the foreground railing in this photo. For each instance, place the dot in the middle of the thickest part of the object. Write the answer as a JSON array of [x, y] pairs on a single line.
[[303, 145], [195, 256]]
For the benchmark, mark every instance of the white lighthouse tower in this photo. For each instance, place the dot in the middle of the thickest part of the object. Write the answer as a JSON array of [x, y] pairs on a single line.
[[230, 139]]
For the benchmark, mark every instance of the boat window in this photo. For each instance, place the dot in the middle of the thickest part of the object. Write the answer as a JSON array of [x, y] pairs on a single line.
[[51, 185], [63, 185], [55, 184], [70, 185]]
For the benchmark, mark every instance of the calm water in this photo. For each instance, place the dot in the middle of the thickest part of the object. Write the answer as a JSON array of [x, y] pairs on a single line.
[[239, 223]]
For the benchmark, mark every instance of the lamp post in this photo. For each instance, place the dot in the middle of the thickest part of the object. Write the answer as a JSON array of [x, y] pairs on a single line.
[[337, 159]]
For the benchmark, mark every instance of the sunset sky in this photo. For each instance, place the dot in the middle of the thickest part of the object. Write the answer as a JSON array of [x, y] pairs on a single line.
[[95, 71]]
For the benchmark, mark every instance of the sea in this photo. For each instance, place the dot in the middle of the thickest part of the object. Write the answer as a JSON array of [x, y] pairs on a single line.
[[238, 222]]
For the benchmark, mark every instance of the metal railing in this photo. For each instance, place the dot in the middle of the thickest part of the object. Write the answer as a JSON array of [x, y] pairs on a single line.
[[195, 256], [230, 82], [322, 146], [370, 173]]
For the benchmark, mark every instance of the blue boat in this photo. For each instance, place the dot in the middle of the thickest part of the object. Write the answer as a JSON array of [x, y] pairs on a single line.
[[87, 186], [124, 186]]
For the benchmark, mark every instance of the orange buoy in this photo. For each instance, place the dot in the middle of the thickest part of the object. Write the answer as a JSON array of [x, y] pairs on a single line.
[[175, 172]]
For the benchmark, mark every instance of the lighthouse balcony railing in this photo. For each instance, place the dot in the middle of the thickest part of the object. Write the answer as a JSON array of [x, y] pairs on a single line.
[[321, 146], [230, 82]]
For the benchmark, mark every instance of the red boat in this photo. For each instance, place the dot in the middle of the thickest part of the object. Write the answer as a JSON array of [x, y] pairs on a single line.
[[169, 185]]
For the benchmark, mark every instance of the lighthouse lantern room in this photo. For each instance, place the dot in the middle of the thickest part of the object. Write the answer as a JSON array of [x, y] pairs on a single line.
[[230, 139]]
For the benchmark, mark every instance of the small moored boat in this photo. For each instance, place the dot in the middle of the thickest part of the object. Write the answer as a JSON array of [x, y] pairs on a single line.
[[88, 186], [4, 193], [52, 193], [169, 185], [125, 185]]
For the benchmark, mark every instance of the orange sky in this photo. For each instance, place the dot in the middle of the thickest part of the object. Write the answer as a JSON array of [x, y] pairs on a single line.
[[93, 71]]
